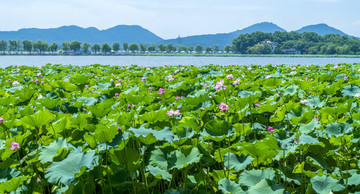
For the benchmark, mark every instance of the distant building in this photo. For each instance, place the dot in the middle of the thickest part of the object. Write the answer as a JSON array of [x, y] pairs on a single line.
[[291, 51], [271, 44]]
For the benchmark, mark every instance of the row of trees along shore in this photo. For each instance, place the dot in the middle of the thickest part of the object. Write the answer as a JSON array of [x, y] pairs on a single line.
[[76, 47], [254, 43]]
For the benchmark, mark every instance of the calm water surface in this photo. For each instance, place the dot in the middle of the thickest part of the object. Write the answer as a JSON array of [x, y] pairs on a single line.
[[167, 60]]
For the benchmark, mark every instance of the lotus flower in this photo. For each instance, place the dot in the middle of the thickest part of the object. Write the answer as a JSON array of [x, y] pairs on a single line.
[[223, 106], [270, 129], [172, 112], [143, 79], [116, 95], [42, 82], [306, 79], [345, 78], [336, 67], [230, 76], [86, 86], [220, 85], [249, 68], [150, 88], [161, 91], [357, 95], [15, 83], [236, 82], [38, 180], [2, 120], [257, 104], [303, 101], [268, 77], [117, 84], [316, 118], [148, 69], [14, 146], [294, 68]]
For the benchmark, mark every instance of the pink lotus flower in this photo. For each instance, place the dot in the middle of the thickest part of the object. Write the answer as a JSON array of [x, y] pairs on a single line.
[[150, 88], [268, 77], [86, 86], [14, 146], [220, 85], [112, 74], [236, 82], [42, 82], [357, 95], [38, 180], [172, 112], [161, 91], [257, 104], [2, 120], [178, 97], [336, 67], [38, 74], [66, 79], [9, 80], [111, 80], [133, 106], [303, 101], [148, 69], [176, 71], [306, 79], [117, 84], [223, 106], [206, 86], [15, 83], [227, 69], [116, 95], [119, 128], [182, 68], [249, 68], [143, 79], [316, 118], [270, 129], [294, 68], [230, 76], [345, 78], [297, 140]]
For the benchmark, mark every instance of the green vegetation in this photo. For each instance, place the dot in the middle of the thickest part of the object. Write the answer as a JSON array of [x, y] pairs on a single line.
[[182, 129], [297, 43]]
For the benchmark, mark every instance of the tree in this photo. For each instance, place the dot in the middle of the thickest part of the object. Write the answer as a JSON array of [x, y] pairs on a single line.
[[65, 46], [152, 48], [125, 46], [182, 48], [170, 48], [133, 47], [105, 48], [28, 45], [259, 49], [53, 47], [85, 47], [227, 48], [142, 47], [190, 48], [36, 46], [42, 46], [12, 45], [116, 47], [216, 48], [234, 48], [95, 48], [199, 49], [161, 47], [208, 49], [75, 46], [3, 45]]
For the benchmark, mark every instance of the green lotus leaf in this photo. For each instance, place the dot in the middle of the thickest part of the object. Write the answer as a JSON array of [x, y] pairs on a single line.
[[163, 135], [250, 178], [236, 162], [333, 129], [354, 179], [264, 187], [47, 153], [228, 186], [102, 86], [350, 90], [13, 184], [182, 158], [291, 90], [216, 130], [315, 102], [105, 133], [80, 79], [65, 170], [307, 128], [326, 184], [279, 115], [39, 119], [157, 171], [154, 116], [88, 101], [50, 103], [102, 109], [308, 140]]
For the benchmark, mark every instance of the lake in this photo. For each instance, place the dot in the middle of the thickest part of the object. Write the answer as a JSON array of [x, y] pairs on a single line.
[[8, 60]]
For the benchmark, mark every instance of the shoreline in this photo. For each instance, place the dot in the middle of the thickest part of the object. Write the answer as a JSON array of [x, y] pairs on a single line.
[[195, 55]]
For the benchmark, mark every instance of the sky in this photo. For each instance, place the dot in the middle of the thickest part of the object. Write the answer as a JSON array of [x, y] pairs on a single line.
[[171, 18]]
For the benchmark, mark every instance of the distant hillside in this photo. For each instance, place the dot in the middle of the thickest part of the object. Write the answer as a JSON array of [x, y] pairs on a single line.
[[223, 38], [321, 29], [121, 33]]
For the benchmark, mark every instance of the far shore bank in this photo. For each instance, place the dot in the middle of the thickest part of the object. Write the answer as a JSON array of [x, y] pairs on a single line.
[[195, 55]]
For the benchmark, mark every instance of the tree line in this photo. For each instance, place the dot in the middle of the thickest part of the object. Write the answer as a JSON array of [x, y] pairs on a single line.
[[303, 43], [76, 47]]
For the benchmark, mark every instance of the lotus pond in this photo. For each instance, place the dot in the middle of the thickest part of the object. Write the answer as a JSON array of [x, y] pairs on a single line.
[[180, 129]]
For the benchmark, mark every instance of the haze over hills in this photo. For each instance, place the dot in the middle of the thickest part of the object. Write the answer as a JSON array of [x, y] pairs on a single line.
[[137, 34]]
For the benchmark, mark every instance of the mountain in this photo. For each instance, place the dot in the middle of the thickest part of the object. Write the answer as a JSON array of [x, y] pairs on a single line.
[[121, 33], [223, 38], [321, 29]]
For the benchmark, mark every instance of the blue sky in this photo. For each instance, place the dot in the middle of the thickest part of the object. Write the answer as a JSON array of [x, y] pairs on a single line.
[[170, 18]]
